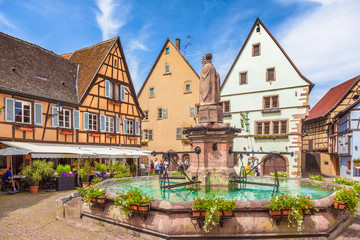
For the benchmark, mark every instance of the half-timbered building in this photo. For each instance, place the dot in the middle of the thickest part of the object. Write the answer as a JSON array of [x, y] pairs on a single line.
[[320, 131], [266, 95], [62, 107]]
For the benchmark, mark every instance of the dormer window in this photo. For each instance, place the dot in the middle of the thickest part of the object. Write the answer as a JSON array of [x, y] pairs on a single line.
[[256, 51]]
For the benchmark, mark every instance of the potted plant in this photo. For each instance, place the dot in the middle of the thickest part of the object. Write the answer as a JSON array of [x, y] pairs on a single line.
[[133, 168], [134, 199], [38, 170], [26, 128], [122, 175], [65, 179], [85, 173], [346, 198], [227, 206]]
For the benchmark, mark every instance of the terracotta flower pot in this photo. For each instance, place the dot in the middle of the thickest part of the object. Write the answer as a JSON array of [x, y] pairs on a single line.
[[33, 189], [339, 205], [196, 212], [227, 213], [307, 212], [282, 212], [101, 199], [85, 184], [142, 207], [93, 200]]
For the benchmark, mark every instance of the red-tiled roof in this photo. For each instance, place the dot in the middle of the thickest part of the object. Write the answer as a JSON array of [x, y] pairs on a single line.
[[66, 55], [331, 99]]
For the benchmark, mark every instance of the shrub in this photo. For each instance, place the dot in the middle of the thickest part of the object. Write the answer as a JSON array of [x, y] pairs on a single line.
[[316, 177], [86, 171], [100, 167], [133, 167], [349, 197], [119, 168], [63, 171], [95, 180], [123, 175], [132, 197], [344, 181], [38, 170], [152, 174], [176, 173]]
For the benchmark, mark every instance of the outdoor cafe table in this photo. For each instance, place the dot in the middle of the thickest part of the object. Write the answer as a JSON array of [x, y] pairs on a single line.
[[20, 179]]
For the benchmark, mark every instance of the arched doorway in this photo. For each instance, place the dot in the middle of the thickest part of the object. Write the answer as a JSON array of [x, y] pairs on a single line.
[[279, 162], [312, 163]]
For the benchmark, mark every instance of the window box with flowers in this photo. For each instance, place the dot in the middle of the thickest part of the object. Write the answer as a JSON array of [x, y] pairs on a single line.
[[94, 134], [92, 194], [25, 128], [66, 132], [112, 135], [272, 136], [356, 160], [295, 208], [346, 198], [144, 142], [185, 141], [115, 102], [131, 137]]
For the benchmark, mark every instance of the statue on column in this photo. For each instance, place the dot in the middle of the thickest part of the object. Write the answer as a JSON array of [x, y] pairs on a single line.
[[209, 83]]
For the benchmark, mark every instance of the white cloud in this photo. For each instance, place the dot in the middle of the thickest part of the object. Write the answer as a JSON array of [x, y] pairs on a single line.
[[4, 22], [323, 43], [112, 16]]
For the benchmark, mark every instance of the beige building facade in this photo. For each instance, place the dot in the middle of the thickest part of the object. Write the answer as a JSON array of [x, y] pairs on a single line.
[[169, 98]]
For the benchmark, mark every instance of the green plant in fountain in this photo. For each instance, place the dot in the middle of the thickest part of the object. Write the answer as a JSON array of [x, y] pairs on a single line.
[[176, 173], [39, 169], [349, 196], [134, 196], [316, 177], [213, 206], [344, 181], [90, 192], [280, 174], [133, 167], [122, 175]]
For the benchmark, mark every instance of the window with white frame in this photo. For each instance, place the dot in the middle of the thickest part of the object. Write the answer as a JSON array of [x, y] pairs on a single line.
[[117, 92], [93, 122], [147, 134], [130, 127], [152, 92], [109, 125], [150, 132], [22, 112], [178, 133], [162, 113], [65, 119], [167, 68]]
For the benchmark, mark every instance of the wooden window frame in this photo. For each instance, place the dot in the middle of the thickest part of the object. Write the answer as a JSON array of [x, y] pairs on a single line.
[[271, 126], [159, 111], [63, 115], [267, 74], [271, 101], [246, 74], [92, 115], [253, 49], [150, 136], [224, 106]]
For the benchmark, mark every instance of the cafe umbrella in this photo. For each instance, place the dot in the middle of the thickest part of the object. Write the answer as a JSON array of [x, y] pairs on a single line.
[[11, 151]]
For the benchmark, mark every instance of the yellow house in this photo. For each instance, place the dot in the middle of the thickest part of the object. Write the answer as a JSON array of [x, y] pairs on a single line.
[[169, 98], [81, 104]]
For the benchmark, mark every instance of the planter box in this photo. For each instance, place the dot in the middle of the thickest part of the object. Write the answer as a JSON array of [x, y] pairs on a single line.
[[226, 213], [279, 213], [198, 212], [339, 205], [67, 183], [142, 207], [101, 199], [25, 129], [111, 136], [66, 132], [94, 134]]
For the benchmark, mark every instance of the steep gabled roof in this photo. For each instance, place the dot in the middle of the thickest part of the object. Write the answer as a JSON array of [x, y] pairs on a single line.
[[277, 43], [66, 55], [90, 60], [332, 99], [157, 59], [29, 69]]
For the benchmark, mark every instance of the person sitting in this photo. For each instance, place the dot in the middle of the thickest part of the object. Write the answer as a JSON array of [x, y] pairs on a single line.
[[247, 167], [7, 175]]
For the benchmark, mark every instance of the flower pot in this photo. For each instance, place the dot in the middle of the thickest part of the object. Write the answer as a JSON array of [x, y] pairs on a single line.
[[93, 200], [339, 205], [25, 129], [65, 183], [101, 199], [33, 189], [227, 213], [197, 212], [282, 212], [142, 207]]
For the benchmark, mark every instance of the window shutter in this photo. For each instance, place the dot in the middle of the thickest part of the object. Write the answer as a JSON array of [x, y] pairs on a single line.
[[102, 123], [76, 116], [111, 90], [137, 127], [164, 113], [150, 134], [85, 120], [122, 93], [9, 109], [125, 126], [107, 88], [117, 126], [192, 111], [55, 118], [38, 119], [116, 92]]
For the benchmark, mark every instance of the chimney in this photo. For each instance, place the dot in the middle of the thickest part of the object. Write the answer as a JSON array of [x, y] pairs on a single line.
[[178, 43]]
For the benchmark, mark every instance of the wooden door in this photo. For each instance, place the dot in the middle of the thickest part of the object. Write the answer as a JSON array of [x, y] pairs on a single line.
[[279, 163]]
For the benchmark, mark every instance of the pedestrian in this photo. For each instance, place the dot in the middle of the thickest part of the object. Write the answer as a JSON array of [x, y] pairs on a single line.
[[252, 166], [161, 166], [157, 166], [151, 166], [186, 164], [259, 169], [166, 165], [181, 165], [247, 167]]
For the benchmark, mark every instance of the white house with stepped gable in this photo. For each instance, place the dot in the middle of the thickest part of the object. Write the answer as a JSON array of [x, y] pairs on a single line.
[[266, 95]]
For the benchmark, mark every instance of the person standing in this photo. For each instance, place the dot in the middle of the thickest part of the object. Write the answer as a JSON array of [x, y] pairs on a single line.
[[166, 165], [259, 168], [151, 166], [161, 166], [252, 166], [157, 166], [181, 165], [186, 164]]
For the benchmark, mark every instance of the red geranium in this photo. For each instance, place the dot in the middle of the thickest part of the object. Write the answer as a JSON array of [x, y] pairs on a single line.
[[129, 194], [199, 200], [308, 197], [283, 197], [193, 198], [307, 206]]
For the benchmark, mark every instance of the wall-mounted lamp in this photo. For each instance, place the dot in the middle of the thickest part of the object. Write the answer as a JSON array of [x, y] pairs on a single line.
[[295, 93], [261, 149], [59, 108]]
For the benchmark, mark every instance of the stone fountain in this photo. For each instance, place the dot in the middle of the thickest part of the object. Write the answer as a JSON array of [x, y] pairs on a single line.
[[214, 165]]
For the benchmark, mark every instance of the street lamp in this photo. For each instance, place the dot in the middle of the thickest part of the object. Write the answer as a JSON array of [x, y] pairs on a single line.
[[59, 108]]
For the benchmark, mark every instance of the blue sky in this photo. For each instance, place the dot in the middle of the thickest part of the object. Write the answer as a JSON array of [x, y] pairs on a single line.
[[320, 36]]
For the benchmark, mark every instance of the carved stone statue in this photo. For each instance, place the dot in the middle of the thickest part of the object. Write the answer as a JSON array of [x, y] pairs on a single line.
[[209, 83]]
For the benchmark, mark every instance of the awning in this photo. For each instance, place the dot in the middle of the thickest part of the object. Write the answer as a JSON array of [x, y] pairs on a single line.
[[60, 150]]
